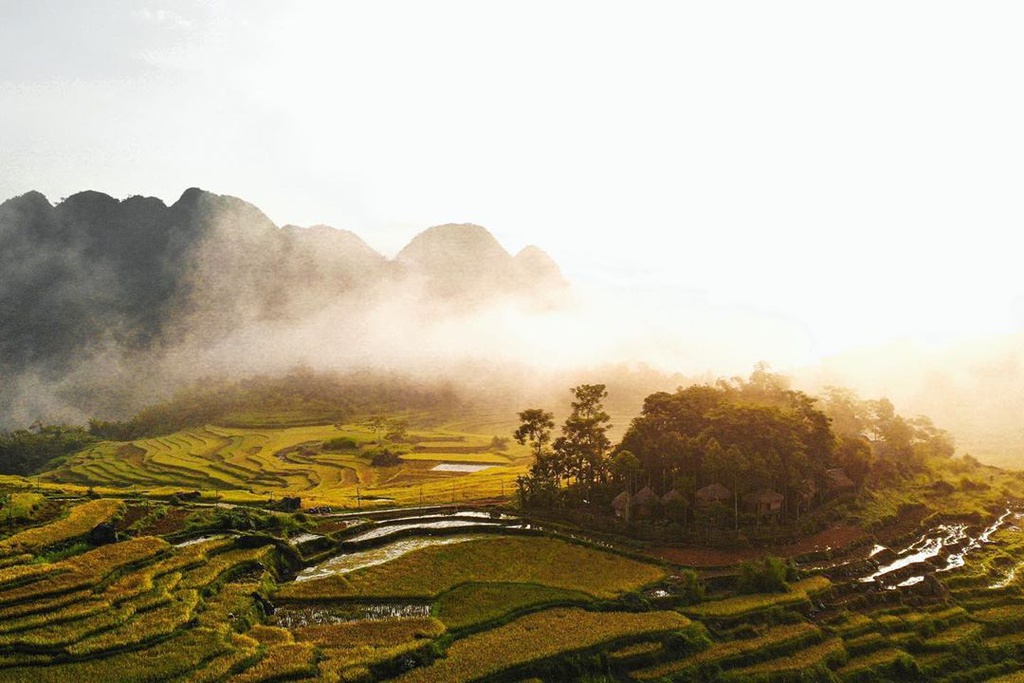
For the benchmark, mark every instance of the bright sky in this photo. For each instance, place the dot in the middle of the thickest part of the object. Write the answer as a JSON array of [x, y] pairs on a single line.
[[843, 173]]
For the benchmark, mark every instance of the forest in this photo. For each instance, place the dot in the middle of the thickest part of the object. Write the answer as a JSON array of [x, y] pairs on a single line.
[[738, 450]]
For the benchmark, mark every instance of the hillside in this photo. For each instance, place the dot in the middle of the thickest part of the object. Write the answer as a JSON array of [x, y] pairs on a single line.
[[142, 580], [400, 547]]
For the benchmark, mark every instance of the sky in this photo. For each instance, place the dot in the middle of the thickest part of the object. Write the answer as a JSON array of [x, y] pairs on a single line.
[[794, 179]]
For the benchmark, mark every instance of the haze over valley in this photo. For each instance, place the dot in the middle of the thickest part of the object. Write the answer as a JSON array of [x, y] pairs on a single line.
[[462, 342], [112, 305]]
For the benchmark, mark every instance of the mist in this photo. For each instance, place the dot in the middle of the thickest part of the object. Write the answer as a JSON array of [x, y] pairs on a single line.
[[109, 306]]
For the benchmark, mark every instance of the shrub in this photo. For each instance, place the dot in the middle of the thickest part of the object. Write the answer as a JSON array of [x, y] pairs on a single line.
[[767, 576], [690, 589], [341, 443], [385, 458]]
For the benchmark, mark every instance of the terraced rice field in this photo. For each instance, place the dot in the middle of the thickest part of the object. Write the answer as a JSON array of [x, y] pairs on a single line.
[[129, 610], [143, 609], [430, 571], [259, 464], [497, 605]]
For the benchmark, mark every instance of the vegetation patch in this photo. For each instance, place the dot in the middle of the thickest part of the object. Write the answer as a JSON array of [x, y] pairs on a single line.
[[771, 640], [164, 661], [828, 653], [539, 636], [478, 603], [879, 664], [282, 662], [80, 521], [799, 593]]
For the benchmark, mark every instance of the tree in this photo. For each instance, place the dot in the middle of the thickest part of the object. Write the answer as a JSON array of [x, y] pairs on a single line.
[[584, 441], [624, 467], [540, 486], [398, 429], [378, 423], [535, 429], [747, 434], [849, 414], [854, 456]]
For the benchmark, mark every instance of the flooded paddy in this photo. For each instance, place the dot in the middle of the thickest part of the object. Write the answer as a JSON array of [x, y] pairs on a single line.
[[303, 538], [465, 468], [384, 531], [349, 562], [942, 548], [199, 539], [298, 615]]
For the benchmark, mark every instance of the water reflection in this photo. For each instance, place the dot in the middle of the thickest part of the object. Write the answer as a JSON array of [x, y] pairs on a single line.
[[382, 531], [294, 616], [349, 562], [945, 547]]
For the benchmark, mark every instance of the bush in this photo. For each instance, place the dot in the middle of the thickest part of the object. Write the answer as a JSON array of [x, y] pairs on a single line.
[[767, 576], [245, 519], [685, 642], [341, 443], [385, 458]]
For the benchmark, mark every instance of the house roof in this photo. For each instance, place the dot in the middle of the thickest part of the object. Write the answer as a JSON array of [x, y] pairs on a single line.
[[645, 496], [672, 496], [714, 492], [621, 501]]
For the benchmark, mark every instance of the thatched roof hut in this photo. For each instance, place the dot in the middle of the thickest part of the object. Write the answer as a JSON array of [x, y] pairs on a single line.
[[621, 504], [712, 494], [645, 502], [673, 497], [674, 505], [645, 496], [764, 500]]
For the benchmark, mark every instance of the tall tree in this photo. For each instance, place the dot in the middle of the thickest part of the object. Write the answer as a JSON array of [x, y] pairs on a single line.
[[540, 487], [584, 442], [535, 429]]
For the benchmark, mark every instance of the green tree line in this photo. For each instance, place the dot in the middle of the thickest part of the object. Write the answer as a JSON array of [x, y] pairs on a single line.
[[749, 435]]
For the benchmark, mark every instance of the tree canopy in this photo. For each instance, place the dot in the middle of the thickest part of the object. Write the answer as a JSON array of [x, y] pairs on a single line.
[[762, 442]]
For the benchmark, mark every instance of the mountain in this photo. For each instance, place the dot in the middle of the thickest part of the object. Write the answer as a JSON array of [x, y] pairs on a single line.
[[95, 292], [465, 260]]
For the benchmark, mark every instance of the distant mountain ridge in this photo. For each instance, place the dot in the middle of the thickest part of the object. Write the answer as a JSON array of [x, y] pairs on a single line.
[[96, 277]]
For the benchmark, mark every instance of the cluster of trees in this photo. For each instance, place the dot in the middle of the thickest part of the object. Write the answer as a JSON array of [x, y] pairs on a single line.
[[749, 435], [577, 457], [874, 441], [746, 435], [33, 450], [300, 397]]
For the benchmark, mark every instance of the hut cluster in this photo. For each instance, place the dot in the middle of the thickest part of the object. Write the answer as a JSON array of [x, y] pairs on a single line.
[[764, 502]]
